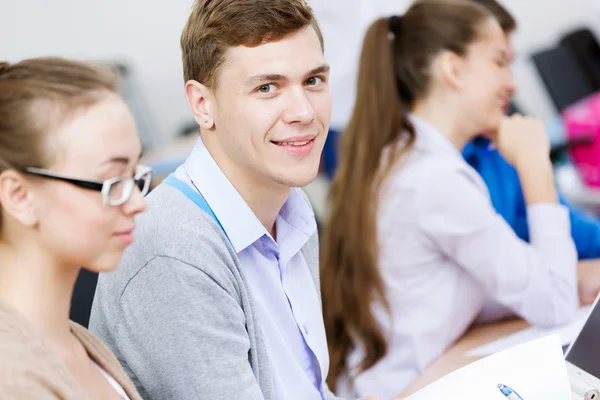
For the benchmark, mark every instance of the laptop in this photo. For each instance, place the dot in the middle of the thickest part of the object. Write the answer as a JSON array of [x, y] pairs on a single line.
[[583, 358]]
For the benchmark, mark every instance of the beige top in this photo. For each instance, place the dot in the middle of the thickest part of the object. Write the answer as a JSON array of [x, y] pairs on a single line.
[[30, 368]]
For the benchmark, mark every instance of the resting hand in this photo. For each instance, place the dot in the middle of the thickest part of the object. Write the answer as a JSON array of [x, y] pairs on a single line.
[[588, 279]]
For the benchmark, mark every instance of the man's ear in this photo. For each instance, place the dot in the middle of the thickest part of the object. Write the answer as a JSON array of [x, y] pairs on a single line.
[[16, 198], [201, 102], [451, 69]]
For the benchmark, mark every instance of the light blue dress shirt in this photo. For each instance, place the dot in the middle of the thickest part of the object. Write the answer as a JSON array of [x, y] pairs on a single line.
[[285, 298]]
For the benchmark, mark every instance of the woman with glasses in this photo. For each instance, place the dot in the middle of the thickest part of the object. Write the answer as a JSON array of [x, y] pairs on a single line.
[[70, 187]]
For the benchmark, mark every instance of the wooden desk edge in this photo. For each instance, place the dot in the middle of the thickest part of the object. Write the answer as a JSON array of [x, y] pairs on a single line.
[[456, 357]]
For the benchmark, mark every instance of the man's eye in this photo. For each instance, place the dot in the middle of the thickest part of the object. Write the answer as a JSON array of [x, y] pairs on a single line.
[[315, 80], [266, 88]]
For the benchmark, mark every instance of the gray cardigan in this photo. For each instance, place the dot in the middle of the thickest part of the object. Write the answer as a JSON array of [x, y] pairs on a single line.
[[178, 312]]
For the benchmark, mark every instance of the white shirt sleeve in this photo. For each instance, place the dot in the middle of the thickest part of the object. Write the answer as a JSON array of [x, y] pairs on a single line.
[[538, 281]]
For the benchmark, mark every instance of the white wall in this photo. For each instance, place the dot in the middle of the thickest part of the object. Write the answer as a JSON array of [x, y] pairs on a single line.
[[541, 22], [146, 34]]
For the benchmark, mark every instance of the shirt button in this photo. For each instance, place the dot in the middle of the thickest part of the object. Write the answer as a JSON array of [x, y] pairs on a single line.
[[305, 327]]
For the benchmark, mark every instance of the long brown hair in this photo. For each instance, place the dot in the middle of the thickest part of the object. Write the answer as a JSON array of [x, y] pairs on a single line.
[[393, 72]]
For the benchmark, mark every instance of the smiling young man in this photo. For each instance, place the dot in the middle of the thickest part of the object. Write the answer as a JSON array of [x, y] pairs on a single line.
[[218, 298]]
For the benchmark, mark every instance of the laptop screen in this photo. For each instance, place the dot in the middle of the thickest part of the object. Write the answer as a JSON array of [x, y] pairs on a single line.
[[585, 351]]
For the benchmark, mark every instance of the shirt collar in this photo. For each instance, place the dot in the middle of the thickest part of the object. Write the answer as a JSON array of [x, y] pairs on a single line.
[[429, 138], [476, 146], [237, 218]]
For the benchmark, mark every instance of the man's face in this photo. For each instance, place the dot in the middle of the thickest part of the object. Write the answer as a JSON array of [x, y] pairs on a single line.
[[272, 109]]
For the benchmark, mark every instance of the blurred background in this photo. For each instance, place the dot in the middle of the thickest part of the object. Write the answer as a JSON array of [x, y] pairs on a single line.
[[141, 38]]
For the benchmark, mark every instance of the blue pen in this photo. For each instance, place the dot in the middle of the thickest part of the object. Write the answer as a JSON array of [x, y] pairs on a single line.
[[509, 393]]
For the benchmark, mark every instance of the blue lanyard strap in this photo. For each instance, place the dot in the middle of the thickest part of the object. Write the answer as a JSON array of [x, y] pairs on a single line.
[[194, 196]]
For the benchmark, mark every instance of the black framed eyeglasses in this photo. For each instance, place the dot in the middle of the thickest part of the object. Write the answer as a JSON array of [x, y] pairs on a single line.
[[115, 191]]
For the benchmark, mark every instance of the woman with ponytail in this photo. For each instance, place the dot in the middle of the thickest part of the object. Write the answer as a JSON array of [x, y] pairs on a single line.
[[414, 252]]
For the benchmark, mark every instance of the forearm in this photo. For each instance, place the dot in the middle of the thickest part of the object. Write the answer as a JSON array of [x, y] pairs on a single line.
[[537, 181]]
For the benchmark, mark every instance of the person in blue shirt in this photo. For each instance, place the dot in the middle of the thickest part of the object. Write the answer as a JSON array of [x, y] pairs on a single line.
[[507, 197]]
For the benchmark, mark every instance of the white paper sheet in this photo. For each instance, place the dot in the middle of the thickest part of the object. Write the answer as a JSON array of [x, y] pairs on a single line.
[[535, 370], [567, 334]]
